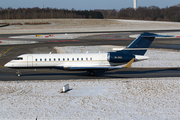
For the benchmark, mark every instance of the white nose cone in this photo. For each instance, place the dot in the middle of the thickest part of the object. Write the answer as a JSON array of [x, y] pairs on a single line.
[[7, 65], [140, 57]]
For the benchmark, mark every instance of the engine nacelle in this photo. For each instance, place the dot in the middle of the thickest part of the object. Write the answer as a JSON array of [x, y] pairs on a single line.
[[116, 57]]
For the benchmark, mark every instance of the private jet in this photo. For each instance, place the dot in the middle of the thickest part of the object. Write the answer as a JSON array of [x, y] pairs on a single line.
[[89, 62]]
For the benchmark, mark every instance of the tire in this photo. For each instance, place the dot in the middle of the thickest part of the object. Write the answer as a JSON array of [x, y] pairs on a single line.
[[91, 73]]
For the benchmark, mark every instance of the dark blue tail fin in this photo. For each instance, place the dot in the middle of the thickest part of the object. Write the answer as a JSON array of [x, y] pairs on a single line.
[[140, 45]]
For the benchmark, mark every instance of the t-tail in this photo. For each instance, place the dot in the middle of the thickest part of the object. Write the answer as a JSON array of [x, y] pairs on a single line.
[[140, 45]]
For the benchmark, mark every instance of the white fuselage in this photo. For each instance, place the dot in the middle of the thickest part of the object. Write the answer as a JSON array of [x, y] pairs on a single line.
[[58, 60], [65, 61]]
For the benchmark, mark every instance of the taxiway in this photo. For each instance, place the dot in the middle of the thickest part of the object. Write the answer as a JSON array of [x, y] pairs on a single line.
[[46, 46]]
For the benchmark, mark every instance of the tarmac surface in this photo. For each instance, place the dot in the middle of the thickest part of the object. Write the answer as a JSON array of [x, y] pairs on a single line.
[[10, 75], [8, 52]]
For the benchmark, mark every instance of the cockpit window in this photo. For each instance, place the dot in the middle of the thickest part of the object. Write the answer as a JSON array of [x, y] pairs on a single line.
[[18, 58]]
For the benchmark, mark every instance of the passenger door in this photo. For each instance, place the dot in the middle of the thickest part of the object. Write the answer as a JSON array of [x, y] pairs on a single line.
[[29, 61]]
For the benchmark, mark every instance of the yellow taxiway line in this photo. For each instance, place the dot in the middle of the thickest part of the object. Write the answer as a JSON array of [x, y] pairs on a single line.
[[6, 51], [2, 66]]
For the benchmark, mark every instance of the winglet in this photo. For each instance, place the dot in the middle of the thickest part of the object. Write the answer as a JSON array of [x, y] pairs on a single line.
[[129, 63]]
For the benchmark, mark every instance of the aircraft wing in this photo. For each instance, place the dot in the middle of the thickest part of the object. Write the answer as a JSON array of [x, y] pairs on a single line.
[[4, 25], [98, 67], [93, 68]]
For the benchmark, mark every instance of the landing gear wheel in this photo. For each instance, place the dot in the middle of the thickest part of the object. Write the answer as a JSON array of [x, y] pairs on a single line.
[[91, 73], [18, 73]]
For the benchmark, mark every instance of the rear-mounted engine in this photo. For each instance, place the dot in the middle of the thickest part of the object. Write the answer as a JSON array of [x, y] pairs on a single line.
[[116, 57]]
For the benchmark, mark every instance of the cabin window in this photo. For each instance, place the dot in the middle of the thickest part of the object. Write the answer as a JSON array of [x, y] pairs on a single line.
[[91, 58], [49, 59], [40, 59], [45, 59], [35, 59], [77, 58], [54, 59], [18, 58], [86, 58], [81, 58], [72, 59], [67, 59], [58, 59], [63, 59]]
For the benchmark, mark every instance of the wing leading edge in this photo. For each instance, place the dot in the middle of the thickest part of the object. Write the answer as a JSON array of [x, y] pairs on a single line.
[[98, 67]]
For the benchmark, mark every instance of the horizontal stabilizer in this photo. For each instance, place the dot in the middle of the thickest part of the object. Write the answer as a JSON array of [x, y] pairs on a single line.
[[140, 45]]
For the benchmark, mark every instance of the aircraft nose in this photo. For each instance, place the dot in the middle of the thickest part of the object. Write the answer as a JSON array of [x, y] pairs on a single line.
[[7, 65]]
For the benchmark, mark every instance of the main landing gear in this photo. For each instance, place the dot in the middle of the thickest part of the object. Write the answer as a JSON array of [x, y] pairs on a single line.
[[18, 73], [91, 72]]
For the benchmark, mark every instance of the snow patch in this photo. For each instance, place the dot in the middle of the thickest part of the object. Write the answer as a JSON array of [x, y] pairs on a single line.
[[147, 98]]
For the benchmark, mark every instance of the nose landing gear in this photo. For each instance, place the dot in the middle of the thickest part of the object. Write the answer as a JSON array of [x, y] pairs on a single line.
[[18, 73]]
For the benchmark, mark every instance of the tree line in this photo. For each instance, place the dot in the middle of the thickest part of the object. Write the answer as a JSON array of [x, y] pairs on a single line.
[[38, 13], [141, 13], [145, 13]]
